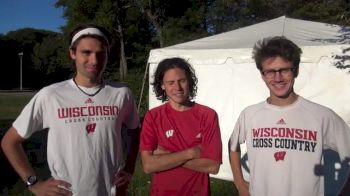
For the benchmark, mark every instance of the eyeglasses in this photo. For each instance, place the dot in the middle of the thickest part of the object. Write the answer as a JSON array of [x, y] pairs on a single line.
[[284, 72]]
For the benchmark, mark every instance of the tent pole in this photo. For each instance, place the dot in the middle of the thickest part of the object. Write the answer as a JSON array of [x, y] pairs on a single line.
[[143, 86], [284, 24]]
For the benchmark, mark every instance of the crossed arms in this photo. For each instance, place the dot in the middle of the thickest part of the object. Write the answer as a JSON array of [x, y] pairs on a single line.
[[161, 159]]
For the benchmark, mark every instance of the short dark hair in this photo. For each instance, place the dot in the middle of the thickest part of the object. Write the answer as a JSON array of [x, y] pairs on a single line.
[[277, 46], [84, 26], [172, 63]]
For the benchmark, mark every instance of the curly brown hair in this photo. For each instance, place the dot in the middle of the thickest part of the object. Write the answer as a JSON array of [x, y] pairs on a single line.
[[172, 63], [277, 46]]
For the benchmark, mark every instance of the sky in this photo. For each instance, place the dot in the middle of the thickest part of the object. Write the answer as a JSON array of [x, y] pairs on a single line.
[[38, 14]]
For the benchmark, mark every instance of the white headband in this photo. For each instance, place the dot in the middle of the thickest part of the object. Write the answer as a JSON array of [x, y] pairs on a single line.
[[88, 31]]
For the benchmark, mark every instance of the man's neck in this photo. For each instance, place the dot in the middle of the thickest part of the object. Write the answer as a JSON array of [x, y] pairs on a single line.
[[87, 82], [282, 101], [181, 107]]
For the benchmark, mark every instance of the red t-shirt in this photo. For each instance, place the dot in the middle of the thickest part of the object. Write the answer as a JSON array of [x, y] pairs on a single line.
[[177, 131]]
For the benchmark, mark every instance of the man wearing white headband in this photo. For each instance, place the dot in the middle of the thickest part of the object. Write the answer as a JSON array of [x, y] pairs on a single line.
[[85, 116]]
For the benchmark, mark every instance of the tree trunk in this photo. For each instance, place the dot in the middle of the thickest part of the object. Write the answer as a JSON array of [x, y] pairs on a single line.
[[153, 20], [123, 65]]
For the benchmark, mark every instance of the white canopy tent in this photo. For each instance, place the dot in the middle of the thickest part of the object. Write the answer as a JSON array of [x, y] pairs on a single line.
[[229, 80]]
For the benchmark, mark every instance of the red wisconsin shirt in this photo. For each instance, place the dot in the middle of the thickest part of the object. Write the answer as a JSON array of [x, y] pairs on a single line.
[[177, 131]]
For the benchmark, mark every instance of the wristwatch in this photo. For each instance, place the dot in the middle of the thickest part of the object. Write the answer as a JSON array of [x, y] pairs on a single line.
[[31, 180]]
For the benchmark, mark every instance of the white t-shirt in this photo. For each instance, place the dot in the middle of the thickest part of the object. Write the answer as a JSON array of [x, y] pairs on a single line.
[[84, 144], [285, 145]]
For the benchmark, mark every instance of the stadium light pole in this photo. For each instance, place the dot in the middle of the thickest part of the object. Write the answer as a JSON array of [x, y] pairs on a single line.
[[20, 70]]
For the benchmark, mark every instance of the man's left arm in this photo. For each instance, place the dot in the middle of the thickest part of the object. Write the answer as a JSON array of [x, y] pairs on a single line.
[[124, 176], [346, 187], [211, 147], [338, 139], [203, 165]]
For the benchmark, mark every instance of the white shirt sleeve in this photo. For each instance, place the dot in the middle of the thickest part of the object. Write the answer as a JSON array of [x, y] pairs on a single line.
[[238, 134], [30, 119], [337, 135]]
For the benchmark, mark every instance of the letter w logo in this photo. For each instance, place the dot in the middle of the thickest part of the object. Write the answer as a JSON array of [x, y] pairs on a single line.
[[169, 133], [90, 128], [280, 155]]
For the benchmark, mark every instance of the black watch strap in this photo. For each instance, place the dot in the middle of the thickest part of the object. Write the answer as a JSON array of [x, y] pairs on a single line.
[[31, 180]]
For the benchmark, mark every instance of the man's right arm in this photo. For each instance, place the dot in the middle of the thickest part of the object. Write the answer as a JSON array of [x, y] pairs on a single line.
[[235, 162], [12, 147], [156, 162]]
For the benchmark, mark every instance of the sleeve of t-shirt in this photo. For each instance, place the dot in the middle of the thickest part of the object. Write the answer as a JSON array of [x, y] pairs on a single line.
[[30, 119], [238, 133], [148, 138], [211, 139], [337, 135]]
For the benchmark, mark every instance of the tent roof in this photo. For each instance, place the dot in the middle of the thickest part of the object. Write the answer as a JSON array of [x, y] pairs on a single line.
[[301, 32]]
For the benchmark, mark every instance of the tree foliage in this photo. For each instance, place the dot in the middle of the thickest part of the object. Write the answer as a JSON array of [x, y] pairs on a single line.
[[23, 41]]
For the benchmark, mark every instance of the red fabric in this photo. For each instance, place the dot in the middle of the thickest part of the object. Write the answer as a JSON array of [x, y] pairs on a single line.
[[197, 126]]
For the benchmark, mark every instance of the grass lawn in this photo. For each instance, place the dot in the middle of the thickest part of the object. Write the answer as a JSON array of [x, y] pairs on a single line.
[[12, 103]]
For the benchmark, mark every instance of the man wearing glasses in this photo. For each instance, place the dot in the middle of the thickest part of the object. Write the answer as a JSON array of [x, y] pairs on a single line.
[[286, 134]]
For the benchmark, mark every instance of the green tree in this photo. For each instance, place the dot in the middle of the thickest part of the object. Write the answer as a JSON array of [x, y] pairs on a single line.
[[176, 21], [23, 40], [114, 15], [50, 59]]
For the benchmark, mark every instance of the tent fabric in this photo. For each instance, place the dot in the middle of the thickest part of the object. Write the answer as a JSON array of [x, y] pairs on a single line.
[[228, 80], [301, 32]]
